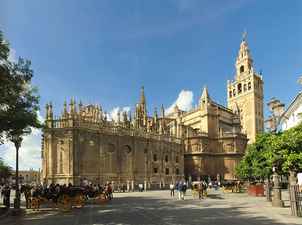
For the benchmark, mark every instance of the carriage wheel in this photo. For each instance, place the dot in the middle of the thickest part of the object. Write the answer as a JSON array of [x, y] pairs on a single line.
[[79, 201], [35, 203]]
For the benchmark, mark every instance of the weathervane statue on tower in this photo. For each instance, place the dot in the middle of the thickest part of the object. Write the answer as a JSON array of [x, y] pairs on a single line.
[[244, 35]]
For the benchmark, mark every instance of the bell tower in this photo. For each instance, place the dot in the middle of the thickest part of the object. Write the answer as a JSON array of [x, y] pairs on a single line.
[[245, 93]]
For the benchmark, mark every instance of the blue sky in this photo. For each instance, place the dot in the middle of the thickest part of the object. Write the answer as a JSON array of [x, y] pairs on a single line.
[[104, 51]]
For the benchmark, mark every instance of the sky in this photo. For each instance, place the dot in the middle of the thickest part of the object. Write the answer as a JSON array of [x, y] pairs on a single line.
[[103, 51]]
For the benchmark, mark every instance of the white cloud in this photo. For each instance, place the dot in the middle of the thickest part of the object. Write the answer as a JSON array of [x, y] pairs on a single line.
[[12, 55], [113, 113], [184, 101], [29, 153]]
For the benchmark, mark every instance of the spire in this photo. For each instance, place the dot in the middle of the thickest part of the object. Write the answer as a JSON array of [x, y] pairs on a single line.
[[50, 113], [205, 95], [125, 117], [155, 112], [65, 109], [162, 110], [142, 98], [47, 111], [130, 117], [80, 106], [244, 61], [118, 117], [155, 115], [244, 35]]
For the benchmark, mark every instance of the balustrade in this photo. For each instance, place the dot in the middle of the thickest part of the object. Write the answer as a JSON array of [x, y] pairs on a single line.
[[109, 128]]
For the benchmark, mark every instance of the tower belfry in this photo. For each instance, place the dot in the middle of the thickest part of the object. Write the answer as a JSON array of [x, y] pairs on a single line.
[[245, 92], [244, 61]]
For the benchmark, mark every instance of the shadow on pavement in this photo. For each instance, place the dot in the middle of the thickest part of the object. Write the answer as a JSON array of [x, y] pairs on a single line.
[[144, 211]]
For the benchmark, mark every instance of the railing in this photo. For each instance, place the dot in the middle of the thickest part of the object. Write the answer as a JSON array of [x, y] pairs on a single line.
[[110, 128], [295, 196]]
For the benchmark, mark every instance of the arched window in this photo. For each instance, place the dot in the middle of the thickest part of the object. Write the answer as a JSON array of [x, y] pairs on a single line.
[[249, 86], [177, 171], [167, 171], [230, 94], [154, 157], [239, 88], [176, 159], [234, 92], [166, 158], [241, 69], [244, 87]]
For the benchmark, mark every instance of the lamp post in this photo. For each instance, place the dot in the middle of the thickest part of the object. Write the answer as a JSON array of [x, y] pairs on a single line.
[[277, 200], [17, 140], [276, 108]]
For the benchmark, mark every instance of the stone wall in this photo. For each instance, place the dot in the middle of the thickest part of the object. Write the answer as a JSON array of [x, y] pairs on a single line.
[[78, 155]]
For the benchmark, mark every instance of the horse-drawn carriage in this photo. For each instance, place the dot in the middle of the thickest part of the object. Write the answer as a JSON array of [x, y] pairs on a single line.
[[232, 186], [64, 199], [199, 189]]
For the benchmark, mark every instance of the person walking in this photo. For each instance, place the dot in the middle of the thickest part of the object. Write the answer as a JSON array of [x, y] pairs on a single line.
[[172, 190], [179, 190], [183, 190], [200, 190], [204, 187], [140, 187], [6, 196]]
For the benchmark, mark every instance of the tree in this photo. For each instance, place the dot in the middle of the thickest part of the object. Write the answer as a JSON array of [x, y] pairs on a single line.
[[18, 98], [5, 171], [257, 161], [290, 149], [4, 47], [282, 150]]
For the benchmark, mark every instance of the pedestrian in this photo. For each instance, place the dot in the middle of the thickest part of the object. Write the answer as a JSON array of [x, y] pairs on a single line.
[[6, 196], [27, 195], [109, 191], [172, 189], [140, 187], [180, 188], [200, 190], [204, 187], [183, 190]]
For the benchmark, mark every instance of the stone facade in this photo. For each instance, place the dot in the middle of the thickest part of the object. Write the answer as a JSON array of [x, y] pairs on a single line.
[[245, 94], [27, 177], [83, 145], [155, 150], [214, 143]]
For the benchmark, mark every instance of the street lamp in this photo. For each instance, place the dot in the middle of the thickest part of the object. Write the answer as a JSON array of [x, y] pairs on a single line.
[[276, 108], [17, 140], [277, 200]]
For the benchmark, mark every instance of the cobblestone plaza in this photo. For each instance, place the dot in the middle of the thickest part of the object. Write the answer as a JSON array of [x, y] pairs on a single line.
[[156, 207]]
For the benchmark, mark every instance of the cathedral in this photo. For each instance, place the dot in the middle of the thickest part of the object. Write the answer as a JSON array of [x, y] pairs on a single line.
[[82, 144]]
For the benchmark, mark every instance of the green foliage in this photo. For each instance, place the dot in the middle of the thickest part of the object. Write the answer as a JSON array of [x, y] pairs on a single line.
[[290, 149], [19, 102], [282, 150], [4, 47], [5, 171], [257, 162]]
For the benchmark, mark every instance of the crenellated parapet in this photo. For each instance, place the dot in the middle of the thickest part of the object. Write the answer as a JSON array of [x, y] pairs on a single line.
[[92, 117]]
